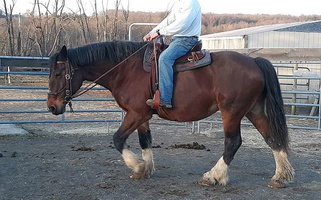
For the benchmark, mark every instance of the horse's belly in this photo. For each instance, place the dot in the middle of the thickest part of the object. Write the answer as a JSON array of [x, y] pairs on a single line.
[[191, 112]]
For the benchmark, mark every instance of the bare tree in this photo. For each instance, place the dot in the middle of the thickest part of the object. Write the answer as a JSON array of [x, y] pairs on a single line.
[[83, 21], [126, 17], [48, 26], [97, 21], [27, 46], [9, 25], [56, 25], [38, 21], [106, 19], [115, 22]]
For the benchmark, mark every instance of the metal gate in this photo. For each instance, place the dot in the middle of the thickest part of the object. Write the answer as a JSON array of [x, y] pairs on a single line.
[[24, 90]]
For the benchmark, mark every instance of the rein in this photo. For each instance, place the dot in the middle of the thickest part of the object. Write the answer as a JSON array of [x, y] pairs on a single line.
[[69, 74]]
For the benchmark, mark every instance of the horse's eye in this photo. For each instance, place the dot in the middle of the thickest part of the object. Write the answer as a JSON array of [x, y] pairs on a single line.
[[58, 72]]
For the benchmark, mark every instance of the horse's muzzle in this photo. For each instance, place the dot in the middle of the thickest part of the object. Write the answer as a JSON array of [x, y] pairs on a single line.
[[57, 110]]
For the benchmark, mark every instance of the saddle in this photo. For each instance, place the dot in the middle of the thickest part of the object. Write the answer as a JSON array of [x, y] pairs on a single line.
[[194, 59]]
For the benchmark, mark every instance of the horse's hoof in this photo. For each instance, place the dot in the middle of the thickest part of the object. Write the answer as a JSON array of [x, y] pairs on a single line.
[[276, 184], [138, 176], [207, 182]]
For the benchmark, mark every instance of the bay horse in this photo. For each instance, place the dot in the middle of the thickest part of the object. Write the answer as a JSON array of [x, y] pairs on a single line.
[[235, 84]]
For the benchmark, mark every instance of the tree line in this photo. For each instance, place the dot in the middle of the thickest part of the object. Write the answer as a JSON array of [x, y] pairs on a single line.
[[44, 29]]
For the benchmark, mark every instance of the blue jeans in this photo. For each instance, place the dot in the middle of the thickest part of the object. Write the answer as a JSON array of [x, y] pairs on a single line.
[[177, 48]]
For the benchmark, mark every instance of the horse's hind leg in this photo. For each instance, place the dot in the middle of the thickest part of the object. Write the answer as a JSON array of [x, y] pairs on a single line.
[[284, 172], [218, 175]]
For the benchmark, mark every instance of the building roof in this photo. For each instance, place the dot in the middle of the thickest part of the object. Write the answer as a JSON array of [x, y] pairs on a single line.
[[312, 26]]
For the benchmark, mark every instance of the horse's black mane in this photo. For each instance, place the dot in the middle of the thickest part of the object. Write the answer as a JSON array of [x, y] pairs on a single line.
[[115, 52]]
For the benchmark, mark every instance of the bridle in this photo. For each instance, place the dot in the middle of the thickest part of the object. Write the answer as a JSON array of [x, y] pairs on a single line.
[[69, 75]]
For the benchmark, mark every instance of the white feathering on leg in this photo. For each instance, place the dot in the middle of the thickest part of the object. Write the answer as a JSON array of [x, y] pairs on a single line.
[[217, 175], [284, 172], [147, 155], [131, 160], [220, 172]]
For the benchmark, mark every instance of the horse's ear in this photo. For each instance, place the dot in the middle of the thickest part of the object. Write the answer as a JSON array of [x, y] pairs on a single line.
[[63, 53]]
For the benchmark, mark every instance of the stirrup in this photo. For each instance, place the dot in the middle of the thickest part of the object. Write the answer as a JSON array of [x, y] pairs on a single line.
[[155, 102]]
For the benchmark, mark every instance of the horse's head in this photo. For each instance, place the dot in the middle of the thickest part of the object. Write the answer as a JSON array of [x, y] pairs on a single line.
[[64, 81]]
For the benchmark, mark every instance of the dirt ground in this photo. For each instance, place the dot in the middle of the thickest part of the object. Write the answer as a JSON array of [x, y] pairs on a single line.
[[78, 161]]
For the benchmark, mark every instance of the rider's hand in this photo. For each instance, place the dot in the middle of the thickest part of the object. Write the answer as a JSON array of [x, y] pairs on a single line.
[[150, 36]]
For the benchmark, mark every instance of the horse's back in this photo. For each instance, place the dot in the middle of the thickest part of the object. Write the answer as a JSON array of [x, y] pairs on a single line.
[[233, 62]]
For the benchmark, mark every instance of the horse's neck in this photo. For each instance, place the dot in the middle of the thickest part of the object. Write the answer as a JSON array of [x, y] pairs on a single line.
[[104, 74], [94, 73]]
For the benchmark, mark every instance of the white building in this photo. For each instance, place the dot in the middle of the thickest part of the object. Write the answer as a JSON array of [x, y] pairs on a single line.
[[290, 35]]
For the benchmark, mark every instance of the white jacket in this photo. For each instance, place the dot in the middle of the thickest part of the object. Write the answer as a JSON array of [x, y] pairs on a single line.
[[184, 19]]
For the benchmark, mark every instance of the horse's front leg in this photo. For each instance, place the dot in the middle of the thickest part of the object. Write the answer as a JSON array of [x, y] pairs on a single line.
[[145, 141], [142, 168]]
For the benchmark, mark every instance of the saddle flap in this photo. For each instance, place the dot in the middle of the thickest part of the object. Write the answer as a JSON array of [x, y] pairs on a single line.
[[152, 50], [148, 57]]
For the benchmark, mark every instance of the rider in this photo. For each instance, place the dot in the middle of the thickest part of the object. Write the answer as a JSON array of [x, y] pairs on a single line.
[[183, 24]]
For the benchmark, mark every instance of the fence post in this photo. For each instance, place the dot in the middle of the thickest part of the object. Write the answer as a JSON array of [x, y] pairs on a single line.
[[295, 82], [319, 111], [8, 76], [1, 68]]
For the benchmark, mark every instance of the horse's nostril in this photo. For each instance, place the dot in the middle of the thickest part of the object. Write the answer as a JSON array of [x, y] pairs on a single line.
[[52, 109]]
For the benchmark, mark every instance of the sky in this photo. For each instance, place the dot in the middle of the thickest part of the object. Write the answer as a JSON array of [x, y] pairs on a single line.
[[286, 7]]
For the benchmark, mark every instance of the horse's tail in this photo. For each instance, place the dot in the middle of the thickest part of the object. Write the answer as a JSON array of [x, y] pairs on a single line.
[[274, 106]]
